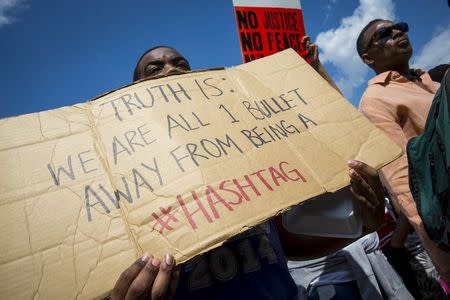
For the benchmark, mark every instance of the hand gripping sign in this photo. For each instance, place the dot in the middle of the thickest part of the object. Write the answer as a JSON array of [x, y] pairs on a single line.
[[269, 26]]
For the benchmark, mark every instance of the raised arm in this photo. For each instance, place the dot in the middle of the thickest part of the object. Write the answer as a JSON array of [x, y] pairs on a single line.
[[313, 54]]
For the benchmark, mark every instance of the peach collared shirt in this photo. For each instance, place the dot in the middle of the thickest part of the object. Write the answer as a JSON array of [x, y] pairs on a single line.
[[399, 107]]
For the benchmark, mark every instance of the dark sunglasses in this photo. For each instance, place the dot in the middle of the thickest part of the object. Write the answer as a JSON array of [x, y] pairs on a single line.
[[386, 32]]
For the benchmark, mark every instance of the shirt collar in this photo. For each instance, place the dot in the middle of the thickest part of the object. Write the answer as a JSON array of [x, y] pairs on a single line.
[[381, 78], [385, 77]]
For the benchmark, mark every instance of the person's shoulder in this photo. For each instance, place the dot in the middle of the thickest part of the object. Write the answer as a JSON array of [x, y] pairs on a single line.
[[371, 98], [379, 81], [376, 98]]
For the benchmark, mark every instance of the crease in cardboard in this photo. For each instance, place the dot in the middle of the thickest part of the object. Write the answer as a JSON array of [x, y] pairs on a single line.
[[75, 231], [267, 122], [41, 276], [27, 222], [91, 269], [101, 155], [375, 132], [44, 138], [40, 124], [170, 245]]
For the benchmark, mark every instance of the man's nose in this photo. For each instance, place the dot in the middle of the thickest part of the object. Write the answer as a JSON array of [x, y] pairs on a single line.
[[396, 33], [171, 70]]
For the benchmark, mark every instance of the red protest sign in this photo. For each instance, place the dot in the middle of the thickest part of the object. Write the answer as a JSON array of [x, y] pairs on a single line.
[[269, 26]]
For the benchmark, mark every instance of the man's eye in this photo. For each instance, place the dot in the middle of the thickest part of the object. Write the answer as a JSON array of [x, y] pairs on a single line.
[[153, 70], [183, 65]]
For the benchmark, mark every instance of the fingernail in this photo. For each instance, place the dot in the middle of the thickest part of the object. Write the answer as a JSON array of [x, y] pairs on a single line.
[[145, 256], [352, 172], [352, 163], [169, 259], [156, 262]]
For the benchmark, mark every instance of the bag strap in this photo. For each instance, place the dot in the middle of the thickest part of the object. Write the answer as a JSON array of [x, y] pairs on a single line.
[[446, 83]]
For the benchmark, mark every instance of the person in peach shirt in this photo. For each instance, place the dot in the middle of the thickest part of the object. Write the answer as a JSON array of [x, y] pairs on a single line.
[[397, 101]]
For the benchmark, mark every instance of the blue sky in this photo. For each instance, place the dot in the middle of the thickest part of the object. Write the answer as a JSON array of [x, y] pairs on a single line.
[[57, 53]]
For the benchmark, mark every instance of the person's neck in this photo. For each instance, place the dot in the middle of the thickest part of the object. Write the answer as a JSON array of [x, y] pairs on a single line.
[[402, 69]]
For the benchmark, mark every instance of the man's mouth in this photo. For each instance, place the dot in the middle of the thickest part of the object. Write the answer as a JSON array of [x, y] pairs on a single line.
[[403, 43]]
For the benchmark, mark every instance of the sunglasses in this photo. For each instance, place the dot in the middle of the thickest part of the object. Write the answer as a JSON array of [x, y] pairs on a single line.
[[384, 33]]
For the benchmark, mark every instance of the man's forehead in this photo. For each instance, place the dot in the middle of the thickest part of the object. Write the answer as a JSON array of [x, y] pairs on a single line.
[[374, 27], [161, 53]]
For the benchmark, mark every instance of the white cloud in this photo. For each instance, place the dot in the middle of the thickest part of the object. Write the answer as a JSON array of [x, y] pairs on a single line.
[[328, 10], [435, 52], [338, 45], [6, 7]]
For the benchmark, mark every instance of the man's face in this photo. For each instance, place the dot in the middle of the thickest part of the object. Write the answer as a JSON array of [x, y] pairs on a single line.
[[386, 50], [162, 61]]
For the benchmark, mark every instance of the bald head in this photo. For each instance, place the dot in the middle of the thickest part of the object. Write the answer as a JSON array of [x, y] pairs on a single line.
[[160, 60]]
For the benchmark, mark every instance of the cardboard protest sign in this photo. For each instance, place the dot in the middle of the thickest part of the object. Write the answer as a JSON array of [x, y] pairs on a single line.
[[269, 26], [176, 164]]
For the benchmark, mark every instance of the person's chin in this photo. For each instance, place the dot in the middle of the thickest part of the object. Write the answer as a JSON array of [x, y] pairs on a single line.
[[403, 43], [405, 53]]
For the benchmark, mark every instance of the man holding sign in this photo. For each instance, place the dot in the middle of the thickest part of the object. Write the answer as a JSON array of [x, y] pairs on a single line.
[[179, 165], [251, 265]]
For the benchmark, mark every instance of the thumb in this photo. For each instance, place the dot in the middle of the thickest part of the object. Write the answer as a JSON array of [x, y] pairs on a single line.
[[305, 42], [363, 169], [314, 51], [369, 174]]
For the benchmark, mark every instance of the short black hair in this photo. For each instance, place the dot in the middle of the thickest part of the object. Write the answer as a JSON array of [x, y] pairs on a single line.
[[135, 73], [360, 41]]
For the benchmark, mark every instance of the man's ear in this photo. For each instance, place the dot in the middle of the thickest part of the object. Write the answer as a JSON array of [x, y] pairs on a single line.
[[368, 60]]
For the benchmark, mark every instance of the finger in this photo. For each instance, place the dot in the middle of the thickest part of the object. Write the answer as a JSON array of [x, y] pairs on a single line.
[[370, 175], [361, 200], [162, 281], [173, 284], [314, 50], [127, 277], [363, 189], [364, 170], [305, 42], [361, 186], [143, 282]]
